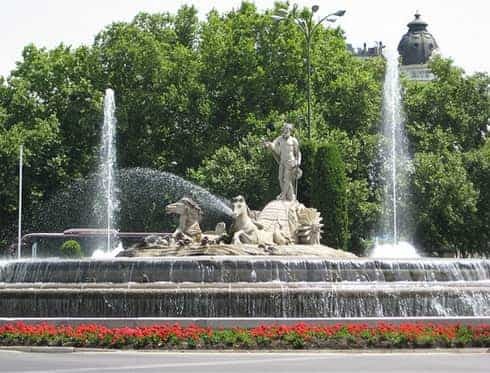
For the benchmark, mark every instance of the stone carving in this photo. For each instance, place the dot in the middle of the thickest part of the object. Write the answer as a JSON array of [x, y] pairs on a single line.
[[298, 223], [319, 251], [280, 215], [286, 152], [281, 228], [280, 222], [309, 226], [244, 229], [195, 249], [189, 216]]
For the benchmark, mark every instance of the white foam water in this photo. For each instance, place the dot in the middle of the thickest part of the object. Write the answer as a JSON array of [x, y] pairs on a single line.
[[400, 250]]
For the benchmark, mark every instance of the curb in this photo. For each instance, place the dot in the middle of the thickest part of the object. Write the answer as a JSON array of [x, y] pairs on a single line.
[[61, 349]]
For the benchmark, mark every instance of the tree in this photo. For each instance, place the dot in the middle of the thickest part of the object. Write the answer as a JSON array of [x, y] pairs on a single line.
[[444, 202], [251, 66], [347, 90], [329, 194], [42, 165], [453, 102], [160, 101], [447, 127], [477, 164], [194, 98], [59, 81], [246, 169]]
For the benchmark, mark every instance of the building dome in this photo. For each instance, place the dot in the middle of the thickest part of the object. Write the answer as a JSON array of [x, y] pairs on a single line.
[[417, 44]]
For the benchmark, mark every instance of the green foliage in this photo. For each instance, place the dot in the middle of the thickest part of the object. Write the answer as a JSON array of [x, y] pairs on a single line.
[[329, 194], [160, 98], [308, 150], [359, 153], [247, 169], [446, 125], [477, 164], [456, 103], [347, 89], [444, 201], [71, 249], [196, 98]]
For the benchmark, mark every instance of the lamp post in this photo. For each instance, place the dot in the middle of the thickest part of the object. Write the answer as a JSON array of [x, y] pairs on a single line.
[[19, 228], [304, 21]]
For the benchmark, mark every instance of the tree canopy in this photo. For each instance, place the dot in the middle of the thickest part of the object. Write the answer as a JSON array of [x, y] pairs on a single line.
[[198, 97]]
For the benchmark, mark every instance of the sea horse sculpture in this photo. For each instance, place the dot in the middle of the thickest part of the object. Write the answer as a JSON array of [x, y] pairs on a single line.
[[245, 230], [189, 216]]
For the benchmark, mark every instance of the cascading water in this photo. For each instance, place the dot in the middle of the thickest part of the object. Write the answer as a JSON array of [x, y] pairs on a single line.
[[240, 286], [394, 155], [227, 286], [106, 174]]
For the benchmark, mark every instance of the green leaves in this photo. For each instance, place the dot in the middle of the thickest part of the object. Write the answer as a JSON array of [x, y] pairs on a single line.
[[444, 201], [446, 123], [247, 167], [329, 194], [453, 102], [196, 97]]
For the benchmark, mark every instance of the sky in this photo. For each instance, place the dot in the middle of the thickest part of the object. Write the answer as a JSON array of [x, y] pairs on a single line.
[[461, 28]]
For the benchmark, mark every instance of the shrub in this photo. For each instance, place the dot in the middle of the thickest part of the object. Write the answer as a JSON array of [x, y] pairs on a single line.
[[71, 249], [308, 149], [329, 194]]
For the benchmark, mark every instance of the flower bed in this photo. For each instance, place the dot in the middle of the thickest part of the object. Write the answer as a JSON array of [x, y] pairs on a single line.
[[300, 336]]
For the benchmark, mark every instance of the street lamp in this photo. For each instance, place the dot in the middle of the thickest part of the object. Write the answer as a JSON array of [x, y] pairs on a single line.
[[304, 20]]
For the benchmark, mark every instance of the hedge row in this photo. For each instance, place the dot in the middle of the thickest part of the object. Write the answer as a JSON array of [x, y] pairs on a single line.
[[300, 336]]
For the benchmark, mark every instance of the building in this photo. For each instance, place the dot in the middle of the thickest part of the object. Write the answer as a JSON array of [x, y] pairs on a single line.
[[415, 49], [365, 51]]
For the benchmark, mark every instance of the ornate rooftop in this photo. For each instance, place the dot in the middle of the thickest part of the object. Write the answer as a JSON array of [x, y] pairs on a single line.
[[417, 45]]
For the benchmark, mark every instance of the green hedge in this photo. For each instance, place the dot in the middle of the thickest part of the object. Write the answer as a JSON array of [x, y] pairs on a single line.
[[329, 194]]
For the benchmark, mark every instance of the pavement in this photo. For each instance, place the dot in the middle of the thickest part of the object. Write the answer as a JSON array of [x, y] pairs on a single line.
[[81, 361]]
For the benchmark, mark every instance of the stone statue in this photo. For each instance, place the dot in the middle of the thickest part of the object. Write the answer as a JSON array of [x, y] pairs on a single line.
[[245, 230], [189, 216], [285, 150]]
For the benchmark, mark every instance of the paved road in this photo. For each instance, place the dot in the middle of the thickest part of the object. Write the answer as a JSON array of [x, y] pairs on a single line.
[[257, 362]]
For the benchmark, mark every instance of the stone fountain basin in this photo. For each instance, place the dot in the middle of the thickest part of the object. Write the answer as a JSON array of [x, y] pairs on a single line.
[[244, 286], [245, 300], [248, 269]]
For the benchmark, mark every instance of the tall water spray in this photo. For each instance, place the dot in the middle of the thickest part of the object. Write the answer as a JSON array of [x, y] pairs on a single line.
[[394, 155], [107, 166]]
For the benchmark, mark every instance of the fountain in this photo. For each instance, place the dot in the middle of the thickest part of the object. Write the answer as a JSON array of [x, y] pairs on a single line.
[[396, 163], [244, 286], [105, 179], [267, 263], [143, 193]]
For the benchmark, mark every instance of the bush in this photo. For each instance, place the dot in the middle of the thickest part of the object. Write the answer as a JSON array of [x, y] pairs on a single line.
[[308, 149], [71, 249], [329, 194]]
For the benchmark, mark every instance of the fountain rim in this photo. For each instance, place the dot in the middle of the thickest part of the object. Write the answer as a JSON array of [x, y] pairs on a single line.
[[248, 258]]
